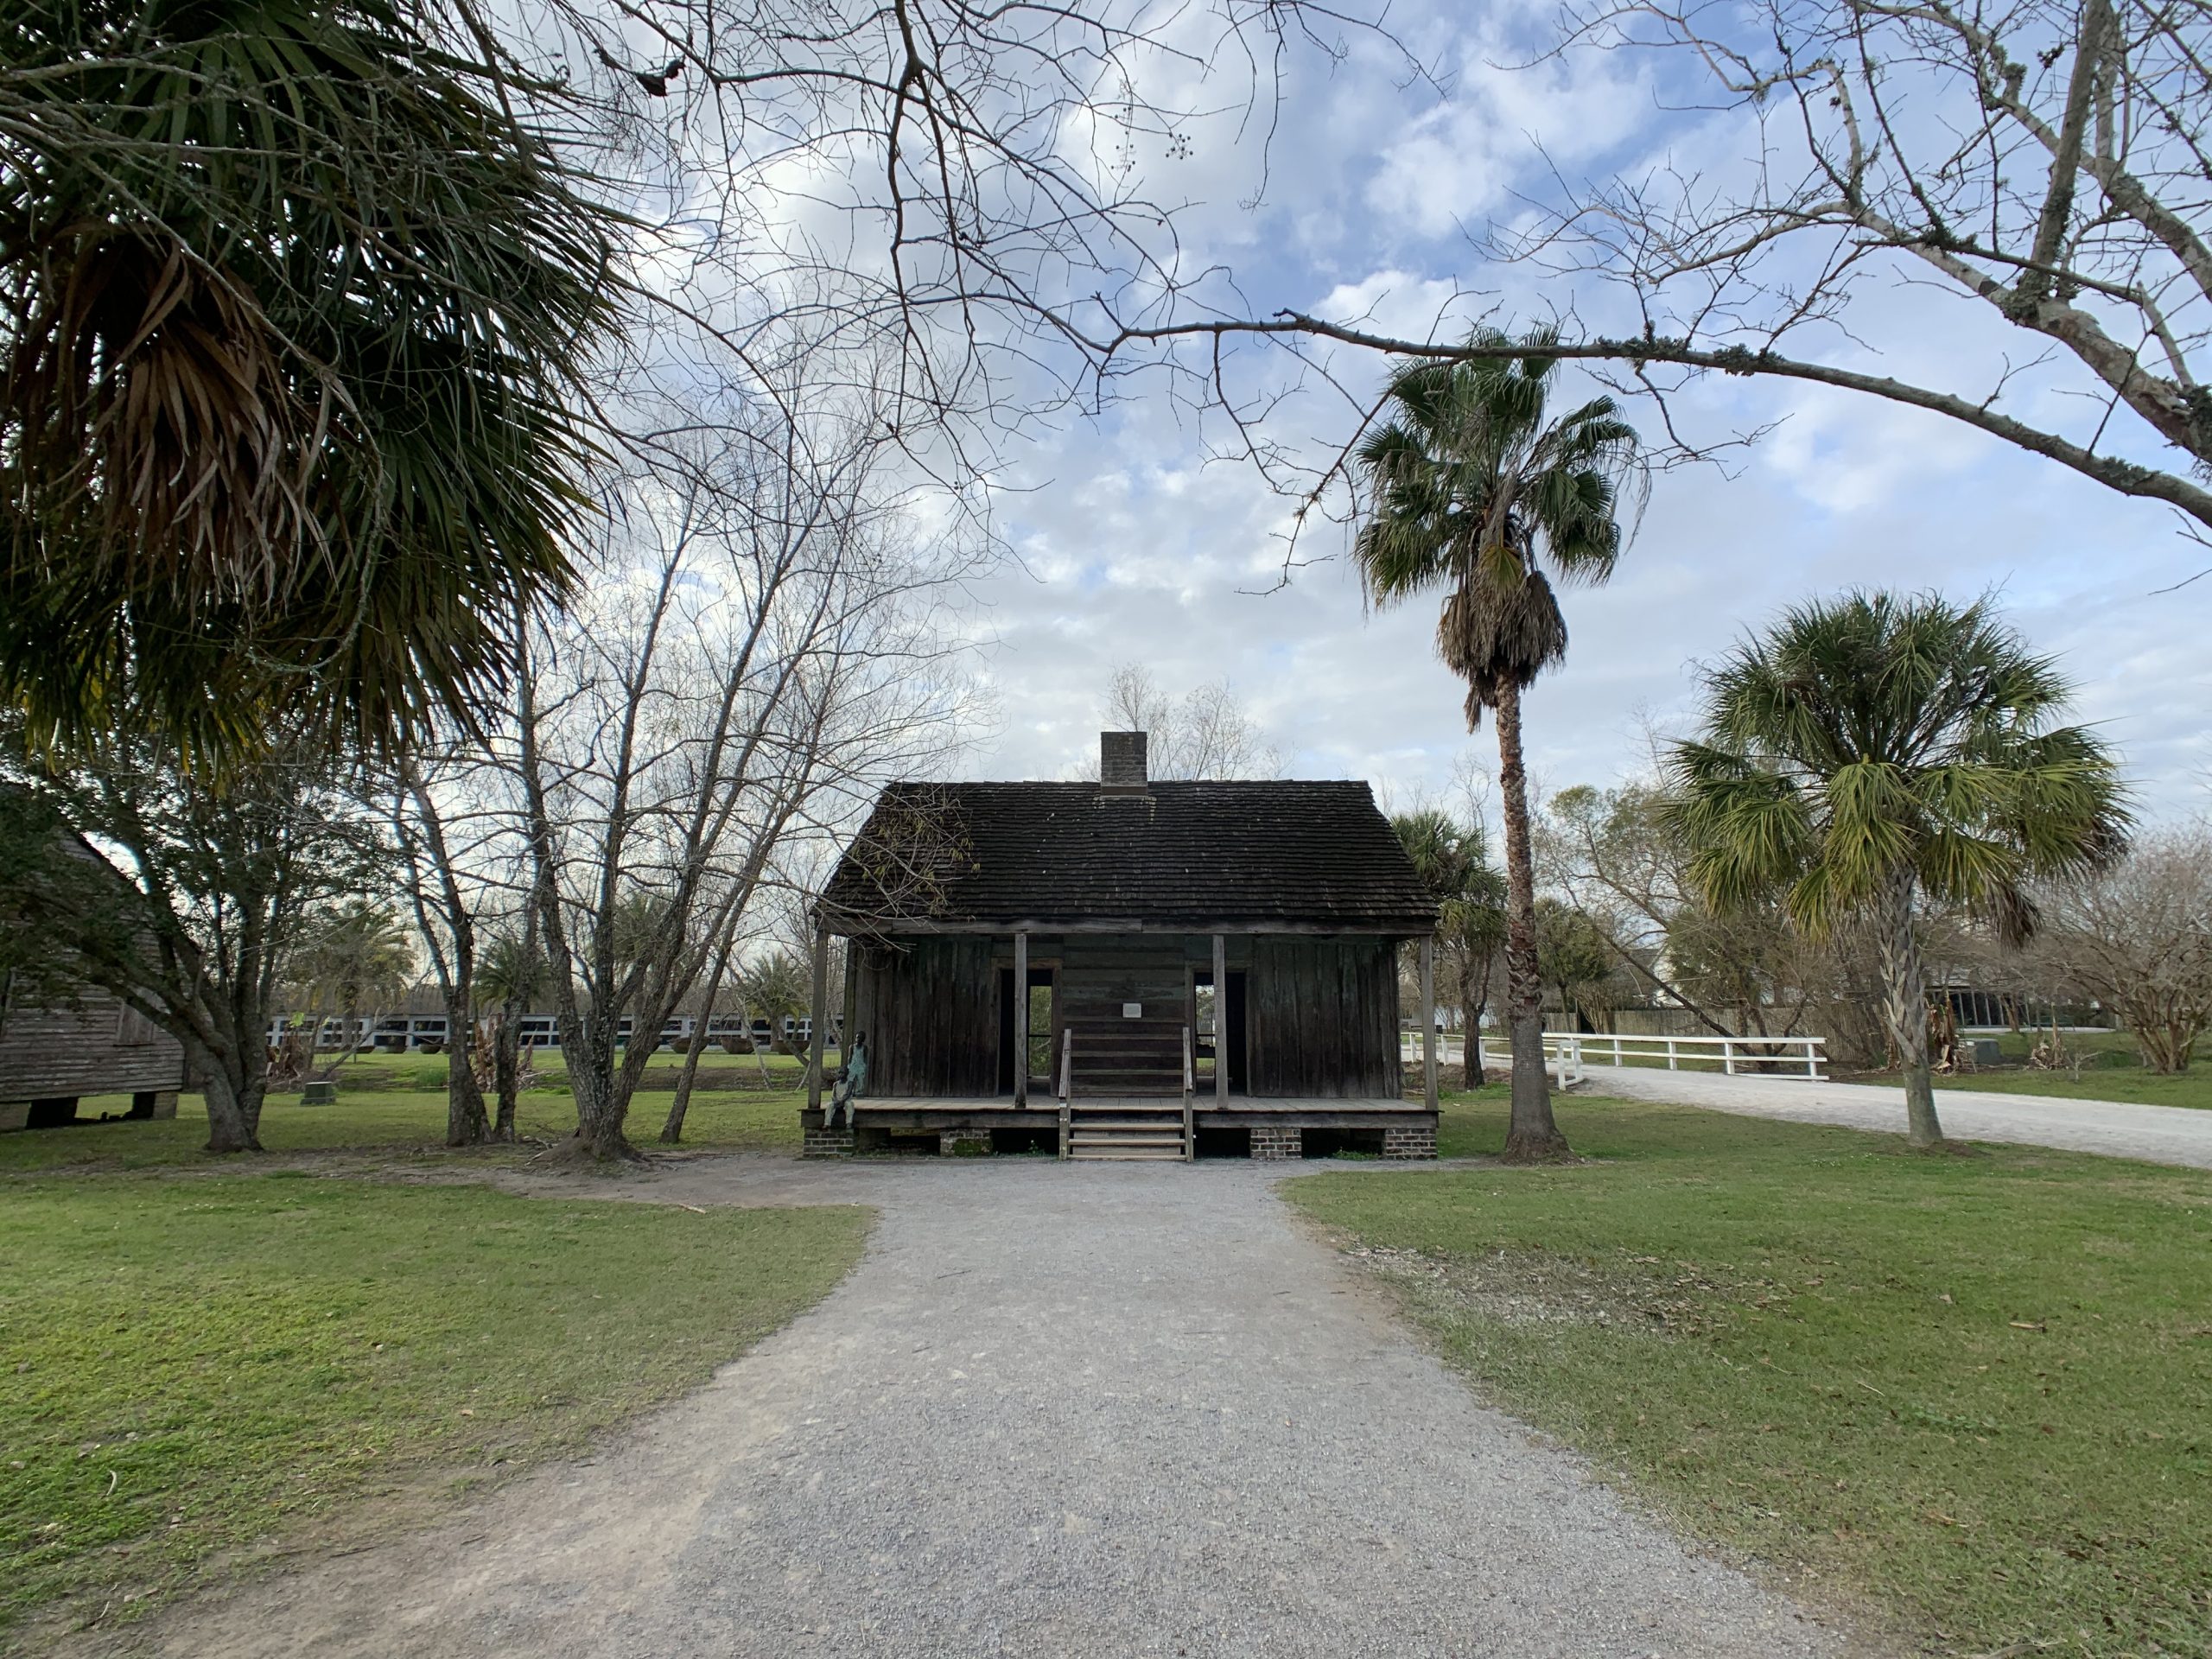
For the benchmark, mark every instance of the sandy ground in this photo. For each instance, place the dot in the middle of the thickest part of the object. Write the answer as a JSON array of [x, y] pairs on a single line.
[[1059, 1409], [2161, 1134]]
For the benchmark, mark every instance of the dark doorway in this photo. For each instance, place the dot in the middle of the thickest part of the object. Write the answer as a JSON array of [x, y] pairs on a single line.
[[1220, 1029], [1233, 1035], [1044, 1021]]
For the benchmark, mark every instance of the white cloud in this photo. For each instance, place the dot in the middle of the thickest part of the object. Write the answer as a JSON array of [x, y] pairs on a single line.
[[1133, 547], [1457, 161]]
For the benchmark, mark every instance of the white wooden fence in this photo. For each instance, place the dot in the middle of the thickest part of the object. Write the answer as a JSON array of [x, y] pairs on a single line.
[[1570, 1053]]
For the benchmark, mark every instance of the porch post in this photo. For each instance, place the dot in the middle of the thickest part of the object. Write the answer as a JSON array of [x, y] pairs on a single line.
[[1428, 1019], [1220, 1021], [820, 1016], [852, 1009], [1020, 1019]]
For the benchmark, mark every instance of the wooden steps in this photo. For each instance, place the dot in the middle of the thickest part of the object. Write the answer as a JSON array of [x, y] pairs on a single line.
[[1127, 1131], [1117, 1058]]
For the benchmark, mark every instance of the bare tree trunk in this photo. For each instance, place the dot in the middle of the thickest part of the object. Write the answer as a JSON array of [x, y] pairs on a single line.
[[1532, 1135], [594, 1078], [506, 1070], [465, 1121], [506, 1047], [1904, 1009], [1477, 1006], [1470, 1047], [759, 1054], [672, 1131], [2165, 1036], [233, 1093]]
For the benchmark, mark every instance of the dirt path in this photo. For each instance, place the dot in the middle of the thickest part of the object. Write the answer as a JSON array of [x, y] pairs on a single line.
[[1057, 1412], [2161, 1134]]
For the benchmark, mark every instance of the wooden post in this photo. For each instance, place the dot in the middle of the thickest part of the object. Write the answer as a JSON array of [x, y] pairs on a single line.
[[1020, 1019], [852, 1005], [1428, 1020], [1220, 1021], [820, 1017]]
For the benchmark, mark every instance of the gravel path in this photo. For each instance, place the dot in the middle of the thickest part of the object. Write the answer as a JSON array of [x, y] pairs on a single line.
[[1057, 1412], [2161, 1135]]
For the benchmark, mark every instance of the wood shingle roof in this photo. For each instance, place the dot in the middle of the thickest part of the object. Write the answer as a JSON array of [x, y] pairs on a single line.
[[1197, 856]]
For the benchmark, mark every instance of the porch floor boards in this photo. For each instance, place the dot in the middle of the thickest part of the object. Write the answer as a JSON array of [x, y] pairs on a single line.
[[1043, 1107]]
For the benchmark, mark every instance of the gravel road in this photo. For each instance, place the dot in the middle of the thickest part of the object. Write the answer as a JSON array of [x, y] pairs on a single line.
[[1059, 1411], [2161, 1135]]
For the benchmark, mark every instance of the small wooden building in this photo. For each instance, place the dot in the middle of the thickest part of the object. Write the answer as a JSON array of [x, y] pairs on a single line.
[[1126, 969], [51, 1059]]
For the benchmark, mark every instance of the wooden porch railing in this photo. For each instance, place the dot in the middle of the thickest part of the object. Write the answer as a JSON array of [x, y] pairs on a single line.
[[1190, 1087], [1067, 1085]]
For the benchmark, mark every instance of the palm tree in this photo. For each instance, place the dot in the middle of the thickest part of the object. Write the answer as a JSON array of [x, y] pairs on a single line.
[[294, 315], [360, 958], [1871, 750], [777, 987], [1453, 859], [1477, 495]]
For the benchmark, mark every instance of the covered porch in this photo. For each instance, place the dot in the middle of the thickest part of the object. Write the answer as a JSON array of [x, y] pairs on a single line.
[[1129, 1041], [1135, 1126]]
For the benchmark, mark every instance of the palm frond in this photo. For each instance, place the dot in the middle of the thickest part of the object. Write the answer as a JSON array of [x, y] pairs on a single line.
[[290, 418], [1917, 736], [1475, 494]]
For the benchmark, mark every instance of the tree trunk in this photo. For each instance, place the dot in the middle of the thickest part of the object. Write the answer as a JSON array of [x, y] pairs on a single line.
[[672, 1131], [506, 1071], [1477, 1005], [2165, 1036], [1532, 1135], [465, 1124], [506, 1050], [601, 1105], [1470, 1046], [759, 1054], [233, 1110], [1904, 1009]]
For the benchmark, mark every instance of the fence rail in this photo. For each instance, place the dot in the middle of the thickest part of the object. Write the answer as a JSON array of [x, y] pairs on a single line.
[[1570, 1053]]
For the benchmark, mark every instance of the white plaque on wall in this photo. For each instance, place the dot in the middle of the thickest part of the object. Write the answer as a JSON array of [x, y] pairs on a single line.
[[1132, 1010]]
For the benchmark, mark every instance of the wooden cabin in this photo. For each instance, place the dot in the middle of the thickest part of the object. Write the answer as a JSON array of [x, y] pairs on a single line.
[[52, 1058], [1125, 969]]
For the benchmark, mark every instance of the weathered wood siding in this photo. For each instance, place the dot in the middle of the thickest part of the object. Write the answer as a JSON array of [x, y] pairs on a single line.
[[99, 1047], [1100, 975], [1321, 1013], [930, 1010], [1324, 1018]]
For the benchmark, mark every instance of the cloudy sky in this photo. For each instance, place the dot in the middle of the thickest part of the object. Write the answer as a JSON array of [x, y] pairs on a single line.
[[1134, 547]]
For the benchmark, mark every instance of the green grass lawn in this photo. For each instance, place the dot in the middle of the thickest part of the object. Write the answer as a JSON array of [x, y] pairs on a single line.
[[198, 1367], [1977, 1389], [2112, 1069], [399, 1123]]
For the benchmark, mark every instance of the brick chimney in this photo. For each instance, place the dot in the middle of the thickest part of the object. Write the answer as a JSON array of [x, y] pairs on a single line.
[[1122, 769]]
